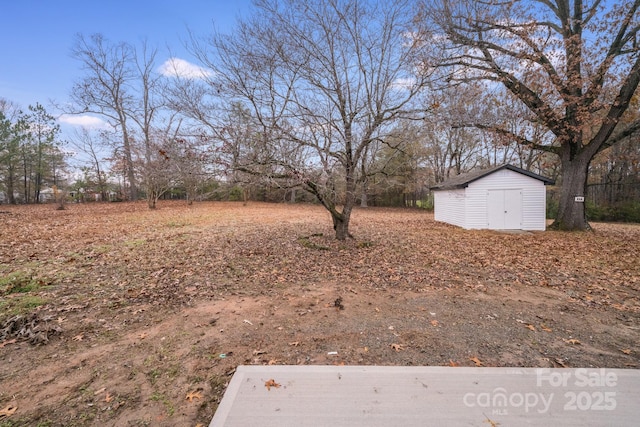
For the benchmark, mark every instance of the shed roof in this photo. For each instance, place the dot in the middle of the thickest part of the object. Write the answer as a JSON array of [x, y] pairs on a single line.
[[463, 180]]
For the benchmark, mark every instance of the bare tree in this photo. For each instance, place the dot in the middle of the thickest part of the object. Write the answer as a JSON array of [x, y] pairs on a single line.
[[157, 167], [249, 162], [451, 147], [148, 102], [575, 64], [192, 162], [122, 85], [92, 145], [397, 176], [329, 77], [105, 90]]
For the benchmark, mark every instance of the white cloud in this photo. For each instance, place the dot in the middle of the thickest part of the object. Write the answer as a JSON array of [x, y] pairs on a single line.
[[83, 120], [176, 67]]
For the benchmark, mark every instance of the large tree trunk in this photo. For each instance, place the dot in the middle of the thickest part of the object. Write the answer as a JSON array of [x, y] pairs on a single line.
[[341, 220], [571, 213], [341, 223]]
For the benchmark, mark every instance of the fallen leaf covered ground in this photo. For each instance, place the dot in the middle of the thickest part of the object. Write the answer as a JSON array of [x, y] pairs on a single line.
[[110, 314]]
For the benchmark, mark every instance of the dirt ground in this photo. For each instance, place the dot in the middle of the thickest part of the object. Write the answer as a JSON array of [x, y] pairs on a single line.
[[114, 315]]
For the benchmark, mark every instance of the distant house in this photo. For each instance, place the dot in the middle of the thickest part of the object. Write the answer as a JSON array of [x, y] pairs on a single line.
[[47, 195], [501, 198]]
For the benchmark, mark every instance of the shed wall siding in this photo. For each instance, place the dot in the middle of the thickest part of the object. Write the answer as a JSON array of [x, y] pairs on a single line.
[[449, 207], [533, 199]]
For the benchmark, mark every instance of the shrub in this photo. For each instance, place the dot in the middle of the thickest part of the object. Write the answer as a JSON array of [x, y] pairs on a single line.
[[622, 212], [235, 194]]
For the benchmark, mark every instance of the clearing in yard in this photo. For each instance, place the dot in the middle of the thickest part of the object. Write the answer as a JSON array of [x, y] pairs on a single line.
[[112, 314]]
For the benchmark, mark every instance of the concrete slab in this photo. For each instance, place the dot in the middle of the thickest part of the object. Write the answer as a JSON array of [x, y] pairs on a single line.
[[265, 396]]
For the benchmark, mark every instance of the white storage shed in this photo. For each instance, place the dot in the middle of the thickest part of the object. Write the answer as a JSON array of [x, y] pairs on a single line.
[[501, 198]]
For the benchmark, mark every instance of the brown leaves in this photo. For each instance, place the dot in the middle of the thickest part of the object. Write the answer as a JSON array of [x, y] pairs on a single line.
[[7, 411], [34, 328], [193, 395], [397, 347], [271, 383], [264, 242], [490, 422], [477, 361], [108, 398], [532, 327]]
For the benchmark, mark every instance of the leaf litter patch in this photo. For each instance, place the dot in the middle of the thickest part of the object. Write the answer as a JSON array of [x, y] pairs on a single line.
[[33, 328]]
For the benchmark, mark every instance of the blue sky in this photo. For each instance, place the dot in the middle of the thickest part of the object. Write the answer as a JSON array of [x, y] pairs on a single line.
[[36, 37]]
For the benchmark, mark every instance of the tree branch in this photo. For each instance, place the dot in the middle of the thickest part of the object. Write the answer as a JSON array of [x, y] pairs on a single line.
[[518, 138]]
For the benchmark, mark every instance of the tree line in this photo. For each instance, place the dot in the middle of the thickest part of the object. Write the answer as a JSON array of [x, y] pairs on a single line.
[[31, 157], [349, 103]]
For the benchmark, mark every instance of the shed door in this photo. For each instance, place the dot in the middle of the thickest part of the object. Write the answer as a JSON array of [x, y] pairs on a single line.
[[504, 209]]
